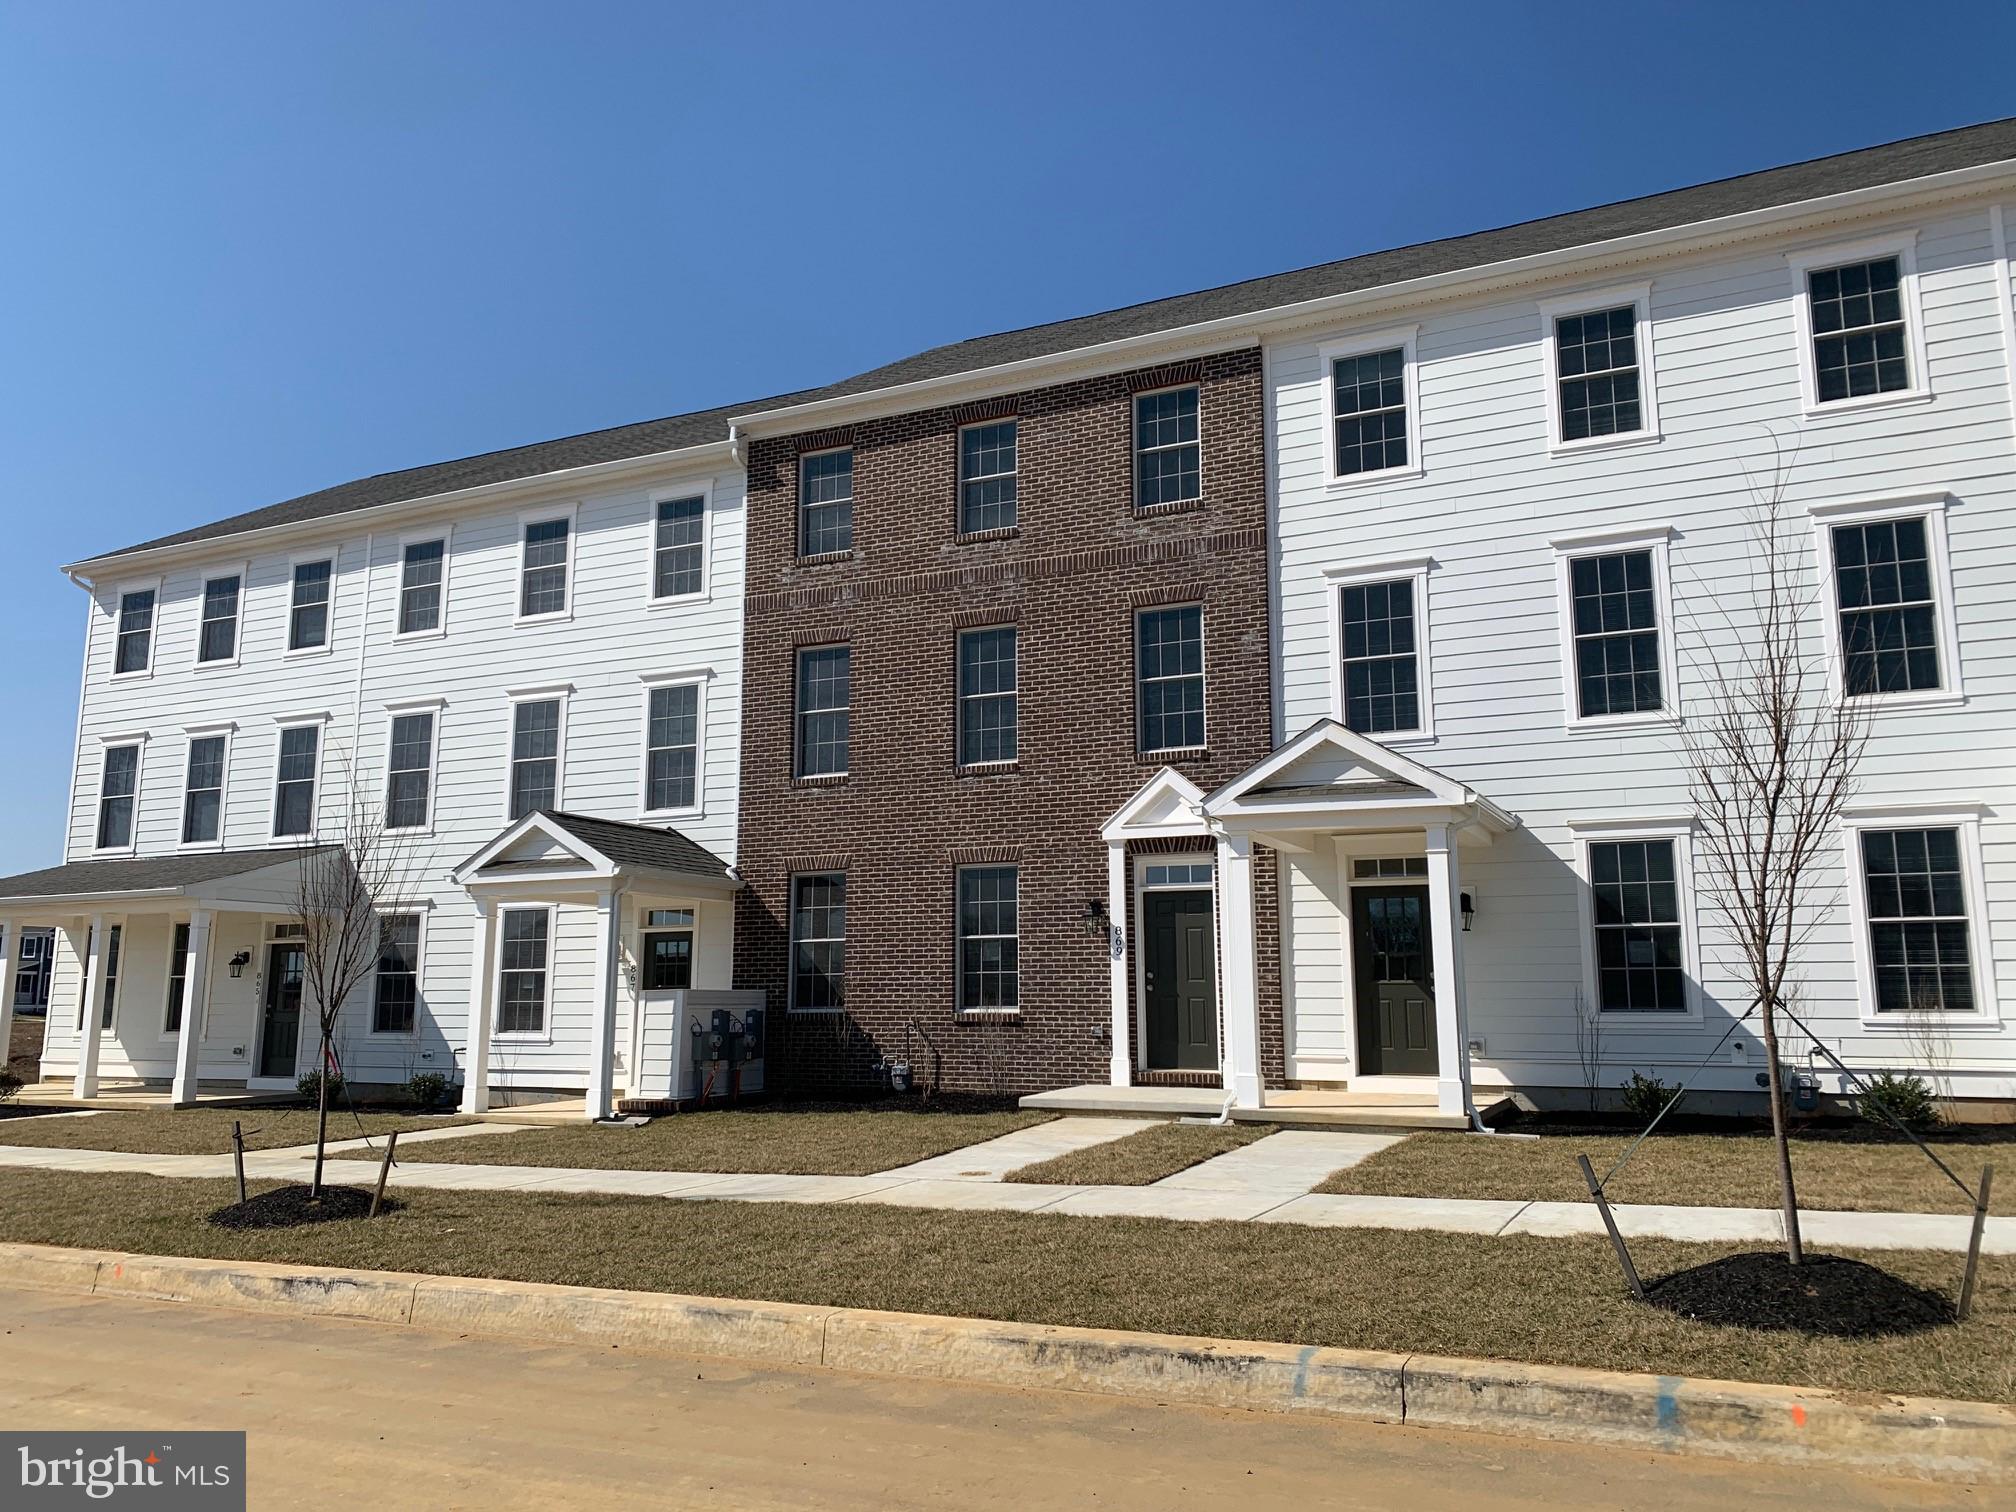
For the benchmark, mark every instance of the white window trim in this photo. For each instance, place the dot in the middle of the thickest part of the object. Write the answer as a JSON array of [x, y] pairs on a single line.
[[651, 682], [798, 550], [1903, 245], [564, 693], [106, 745], [1355, 574], [393, 712], [959, 941], [1930, 504], [226, 731], [1140, 861], [1404, 337], [423, 913], [294, 564], [960, 480], [526, 520], [321, 721], [791, 940], [169, 1036], [119, 593], [544, 1035], [1639, 297], [1966, 818], [1134, 503], [1203, 675], [446, 536], [243, 572], [703, 490], [1681, 832], [1656, 539], [798, 712]]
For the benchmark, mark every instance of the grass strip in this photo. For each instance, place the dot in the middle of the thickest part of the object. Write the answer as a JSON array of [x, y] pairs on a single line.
[[1686, 1170], [1142, 1157], [1552, 1301]]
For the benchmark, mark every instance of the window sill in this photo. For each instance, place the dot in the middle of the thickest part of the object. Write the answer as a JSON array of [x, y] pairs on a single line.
[[221, 664], [1908, 703], [306, 653], [988, 768], [1170, 507], [822, 779], [1966, 1025], [1346, 482], [1601, 444], [127, 677], [796, 1012], [998, 533], [199, 846], [667, 816], [403, 637], [1623, 724], [1900, 399], [411, 831], [1397, 740], [678, 600], [557, 617], [113, 851], [292, 842], [1174, 753], [1651, 1021], [987, 1015], [518, 1037], [824, 558]]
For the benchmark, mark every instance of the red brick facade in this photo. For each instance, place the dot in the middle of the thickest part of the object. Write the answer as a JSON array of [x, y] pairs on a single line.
[[1071, 576]]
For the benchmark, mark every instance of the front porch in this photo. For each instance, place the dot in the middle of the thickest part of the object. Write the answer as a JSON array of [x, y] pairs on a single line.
[[1306, 1107]]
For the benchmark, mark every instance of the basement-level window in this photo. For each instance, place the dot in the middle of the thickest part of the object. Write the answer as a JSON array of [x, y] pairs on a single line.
[[819, 941], [1918, 945]]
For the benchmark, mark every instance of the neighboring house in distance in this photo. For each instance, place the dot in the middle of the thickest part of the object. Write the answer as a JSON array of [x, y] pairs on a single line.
[[32, 960], [1223, 698]]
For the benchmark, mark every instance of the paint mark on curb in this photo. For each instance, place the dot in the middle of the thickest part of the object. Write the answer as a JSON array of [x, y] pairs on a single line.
[[1301, 1386], [1668, 1406], [1798, 1416]]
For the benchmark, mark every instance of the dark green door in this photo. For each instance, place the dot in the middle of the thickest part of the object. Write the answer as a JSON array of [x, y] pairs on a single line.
[[1396, 981], [285, 965], [1181, 961]]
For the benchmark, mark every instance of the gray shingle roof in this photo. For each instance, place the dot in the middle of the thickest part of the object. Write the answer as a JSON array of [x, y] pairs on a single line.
[[638, 845], [134, 874], [1895, 162]]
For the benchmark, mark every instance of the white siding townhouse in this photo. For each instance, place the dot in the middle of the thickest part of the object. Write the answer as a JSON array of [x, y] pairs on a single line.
[[1510, 481]]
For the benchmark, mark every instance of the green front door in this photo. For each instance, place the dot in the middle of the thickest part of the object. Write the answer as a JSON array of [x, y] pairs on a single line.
[[1396, 981], [1181, 962], [281, 1032]]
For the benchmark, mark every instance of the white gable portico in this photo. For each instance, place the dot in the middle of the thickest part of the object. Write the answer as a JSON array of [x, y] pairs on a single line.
[[1385, 832]]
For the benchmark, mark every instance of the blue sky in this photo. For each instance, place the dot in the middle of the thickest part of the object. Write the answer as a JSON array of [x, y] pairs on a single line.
[[252, 250]]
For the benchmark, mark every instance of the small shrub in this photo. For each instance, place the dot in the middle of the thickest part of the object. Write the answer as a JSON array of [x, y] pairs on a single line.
[[1647, 1097], [426, 1089], [310, 1086], [1907, 1099], [10, 1084]]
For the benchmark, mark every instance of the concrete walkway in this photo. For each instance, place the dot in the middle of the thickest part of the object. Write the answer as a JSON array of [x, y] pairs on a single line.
[[995, 1158], [1211, 1192]]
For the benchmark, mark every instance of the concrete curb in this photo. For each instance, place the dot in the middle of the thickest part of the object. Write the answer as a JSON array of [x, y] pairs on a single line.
[[1896, 1435]]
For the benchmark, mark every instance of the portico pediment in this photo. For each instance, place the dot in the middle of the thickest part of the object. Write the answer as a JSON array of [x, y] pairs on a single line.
[[1167, 804], [1330, 772]]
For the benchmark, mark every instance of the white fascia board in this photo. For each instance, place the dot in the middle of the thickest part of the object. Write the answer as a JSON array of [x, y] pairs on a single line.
[[372, 517], [1254, 327]]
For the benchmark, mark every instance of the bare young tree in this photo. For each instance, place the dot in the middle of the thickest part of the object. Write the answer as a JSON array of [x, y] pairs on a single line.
[[338, 891], [1771, 755]]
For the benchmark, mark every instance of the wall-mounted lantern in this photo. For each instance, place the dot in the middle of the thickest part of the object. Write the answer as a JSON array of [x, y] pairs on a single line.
[[238, 964], [1469, 903], [1097, 925]]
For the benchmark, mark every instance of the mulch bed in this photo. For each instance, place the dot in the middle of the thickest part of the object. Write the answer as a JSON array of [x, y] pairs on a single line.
[[1845, 1299], [291, 1206]]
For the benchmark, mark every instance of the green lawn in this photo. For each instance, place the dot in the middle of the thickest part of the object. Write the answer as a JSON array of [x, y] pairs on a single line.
[[805, 1139], [1689, 1170], [198, 1131], [1145, 1156], [1556, 1301]]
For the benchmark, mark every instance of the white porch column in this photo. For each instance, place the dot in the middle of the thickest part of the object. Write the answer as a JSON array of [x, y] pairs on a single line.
[[602, 1058], [476, 1050], [1238, 971], [1118, 943], [1452, 1018], [10, 952], [195, 1003], [91, 1010]]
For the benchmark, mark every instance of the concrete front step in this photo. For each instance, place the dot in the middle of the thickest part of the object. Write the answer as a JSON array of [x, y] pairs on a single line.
[[1374, 1112]]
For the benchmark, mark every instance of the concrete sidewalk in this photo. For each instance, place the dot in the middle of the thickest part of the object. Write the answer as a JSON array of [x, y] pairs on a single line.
[[1212, 1190]]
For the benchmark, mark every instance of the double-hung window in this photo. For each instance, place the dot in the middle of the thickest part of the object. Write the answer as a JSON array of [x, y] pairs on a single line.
[[421, 568], [1168, 457], [525, 939], [543, 575], [203, 791], [308, 609], [1640, 941], [987, 477], [672, 748], [118, 792], [826, 502], [678, 565], [1618, 656], [990, 968], [409, 771], [987, 707], [1916, 905], [396, 989], [1169, 678], [1888, 608], [1368, 396], [178, 980], [115, 938], [535, 755], [825, 693], [294, 782], [666, 949], [134, 652], [819, 941], [1861, 344], [1379, 645], [217, 640]]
